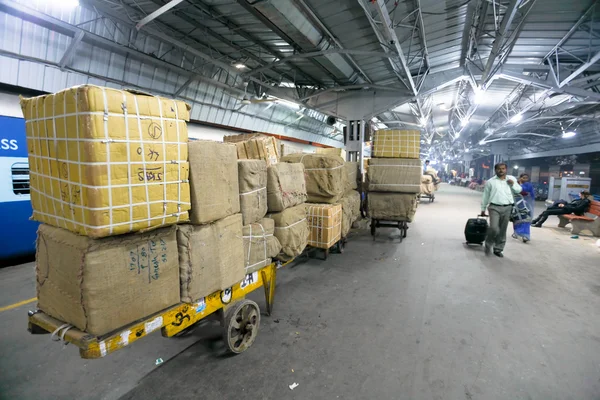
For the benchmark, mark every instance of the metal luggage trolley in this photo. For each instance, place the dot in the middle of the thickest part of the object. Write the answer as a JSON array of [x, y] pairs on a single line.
[[402, 225], [378, 223], [431, 197], [239, 317]]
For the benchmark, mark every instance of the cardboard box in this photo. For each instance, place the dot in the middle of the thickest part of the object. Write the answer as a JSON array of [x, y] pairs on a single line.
[[214, 182], [324, 224], [105, 161], [255, 147], [100, 285], [211, 257], [399, 175], [388, 143]]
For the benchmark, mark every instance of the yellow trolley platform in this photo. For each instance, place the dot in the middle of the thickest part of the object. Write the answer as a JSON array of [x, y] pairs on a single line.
[[239, 317]]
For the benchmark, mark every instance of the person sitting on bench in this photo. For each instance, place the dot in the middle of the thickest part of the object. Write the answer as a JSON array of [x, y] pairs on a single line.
[[577, 207]]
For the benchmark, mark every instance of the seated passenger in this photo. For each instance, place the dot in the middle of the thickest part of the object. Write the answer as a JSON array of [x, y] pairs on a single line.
[[577, 207]]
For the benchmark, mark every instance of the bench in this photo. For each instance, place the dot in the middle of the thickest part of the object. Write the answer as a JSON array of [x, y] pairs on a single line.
[[589, 221]]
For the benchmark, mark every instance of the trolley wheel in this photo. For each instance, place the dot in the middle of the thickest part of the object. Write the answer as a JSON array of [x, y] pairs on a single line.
[[404, 229], [373, 228], [341, 245], [432, 199], [241, 326]]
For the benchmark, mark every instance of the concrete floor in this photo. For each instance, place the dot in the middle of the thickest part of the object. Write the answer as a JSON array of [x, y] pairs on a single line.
[[425, 319]]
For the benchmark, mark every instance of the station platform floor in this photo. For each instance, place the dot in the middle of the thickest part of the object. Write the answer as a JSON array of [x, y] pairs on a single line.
[[429, 318]]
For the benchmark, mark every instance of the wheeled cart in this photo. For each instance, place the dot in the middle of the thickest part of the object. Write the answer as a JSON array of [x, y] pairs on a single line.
[[401, 225], [239, 317], [338, 247], [431, 197]]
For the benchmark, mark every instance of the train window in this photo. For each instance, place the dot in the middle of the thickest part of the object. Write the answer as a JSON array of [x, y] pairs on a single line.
[[20, 178]]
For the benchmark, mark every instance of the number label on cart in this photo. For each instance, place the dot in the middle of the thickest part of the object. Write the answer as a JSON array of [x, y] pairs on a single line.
[[249, 280]]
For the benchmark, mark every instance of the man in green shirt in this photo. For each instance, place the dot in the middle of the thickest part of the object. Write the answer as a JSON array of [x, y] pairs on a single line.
[[498, 199]]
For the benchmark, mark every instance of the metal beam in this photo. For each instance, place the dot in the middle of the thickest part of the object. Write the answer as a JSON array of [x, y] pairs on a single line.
[[331, 36], [393, 40], [509, 16], [529, 80], [355, 87], [316, 54], [169, 39], [269, 24], [70, 52], [157, 13], [595, 58], [233, 27], [564, 151]]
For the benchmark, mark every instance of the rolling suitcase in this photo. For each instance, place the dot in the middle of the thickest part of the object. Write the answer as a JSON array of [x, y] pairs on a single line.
[[476, 230]]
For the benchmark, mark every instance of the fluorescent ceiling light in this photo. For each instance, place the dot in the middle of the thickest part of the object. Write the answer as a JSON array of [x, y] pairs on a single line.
[[479, 94], [516, 167], [568, 134], [464, 122], [289, 104], [240, 66], [466, 150], [516, 118]]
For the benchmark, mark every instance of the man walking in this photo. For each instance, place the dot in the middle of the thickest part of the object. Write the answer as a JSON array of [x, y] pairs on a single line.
[[498, 195]]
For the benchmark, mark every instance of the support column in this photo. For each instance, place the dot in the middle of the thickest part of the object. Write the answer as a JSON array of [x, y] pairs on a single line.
[[355, 142]]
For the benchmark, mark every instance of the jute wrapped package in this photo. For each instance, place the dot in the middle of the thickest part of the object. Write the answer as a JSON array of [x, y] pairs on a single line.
[[350, 210], [105, 162], [291, 229], [392, 206], [260, 244], [332, 151], [211, 257], [286, 186], [325, 176], [252, 175], [353, 173], [398, 175], [214, 181], [104, 284]]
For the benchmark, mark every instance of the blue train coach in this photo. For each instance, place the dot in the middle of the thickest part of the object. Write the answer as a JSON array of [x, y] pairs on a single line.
[[18, 233]]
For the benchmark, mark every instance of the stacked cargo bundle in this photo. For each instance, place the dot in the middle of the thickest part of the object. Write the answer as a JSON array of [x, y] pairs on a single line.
[[394, 175], [286, 195], [429, 181], [334, 151], [326, 180], [255, 147], [106, 162], [260, 244], [211, 249]]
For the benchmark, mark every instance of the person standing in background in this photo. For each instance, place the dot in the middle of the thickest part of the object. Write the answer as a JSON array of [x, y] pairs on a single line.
[[498, 195], [523, 210], [426, 166]]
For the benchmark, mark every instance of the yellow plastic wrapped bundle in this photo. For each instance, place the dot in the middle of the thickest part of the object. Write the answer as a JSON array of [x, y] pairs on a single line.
[[105, 161]]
